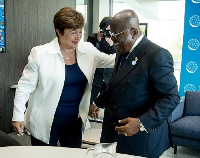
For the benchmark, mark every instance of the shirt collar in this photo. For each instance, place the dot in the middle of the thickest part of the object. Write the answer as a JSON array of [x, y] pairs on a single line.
[[136, 42]]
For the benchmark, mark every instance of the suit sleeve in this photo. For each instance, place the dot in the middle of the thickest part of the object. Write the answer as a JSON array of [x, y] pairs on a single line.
[[164, 88], [100, 101], [26, 85]]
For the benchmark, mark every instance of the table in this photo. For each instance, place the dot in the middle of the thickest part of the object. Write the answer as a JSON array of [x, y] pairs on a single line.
[[13, 86], [48, 152]]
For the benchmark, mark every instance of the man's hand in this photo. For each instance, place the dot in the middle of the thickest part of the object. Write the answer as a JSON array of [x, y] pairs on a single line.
[[100, 35], [110, 42], [93, 111], [132, 126], [18, 127]]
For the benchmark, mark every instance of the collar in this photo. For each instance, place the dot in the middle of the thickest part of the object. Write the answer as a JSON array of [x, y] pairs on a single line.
[[53, 47], [136, 42]]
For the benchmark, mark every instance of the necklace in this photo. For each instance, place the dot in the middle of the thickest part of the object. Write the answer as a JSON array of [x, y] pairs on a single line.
[[69, 57]]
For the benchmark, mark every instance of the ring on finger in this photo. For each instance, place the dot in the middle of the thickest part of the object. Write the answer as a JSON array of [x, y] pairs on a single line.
[[125, 134]]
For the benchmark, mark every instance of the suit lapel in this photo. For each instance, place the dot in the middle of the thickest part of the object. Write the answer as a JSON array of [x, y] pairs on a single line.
[[115, 69], [129, 65]]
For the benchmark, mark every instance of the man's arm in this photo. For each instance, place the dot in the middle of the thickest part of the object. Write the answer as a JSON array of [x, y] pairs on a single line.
[[161, 75]]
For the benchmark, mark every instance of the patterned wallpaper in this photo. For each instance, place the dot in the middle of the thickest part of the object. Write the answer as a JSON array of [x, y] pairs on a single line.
[[190, 66]]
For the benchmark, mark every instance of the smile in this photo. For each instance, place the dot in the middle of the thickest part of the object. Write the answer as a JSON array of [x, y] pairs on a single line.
[[75, 42]]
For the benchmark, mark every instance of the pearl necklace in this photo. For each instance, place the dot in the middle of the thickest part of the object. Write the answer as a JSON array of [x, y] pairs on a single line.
[[69, 57]]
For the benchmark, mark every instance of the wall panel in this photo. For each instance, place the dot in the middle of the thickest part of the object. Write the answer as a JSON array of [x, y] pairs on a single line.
[[190, 65], [28, 23]]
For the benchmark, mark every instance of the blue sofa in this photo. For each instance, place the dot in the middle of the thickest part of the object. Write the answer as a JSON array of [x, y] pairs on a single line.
[[185, 122]]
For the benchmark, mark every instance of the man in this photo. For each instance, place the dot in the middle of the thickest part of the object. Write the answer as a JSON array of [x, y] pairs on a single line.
[[102, 42], [141, 93]]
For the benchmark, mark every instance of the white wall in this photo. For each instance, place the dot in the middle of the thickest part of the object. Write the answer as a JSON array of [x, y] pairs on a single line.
[[100, 10]]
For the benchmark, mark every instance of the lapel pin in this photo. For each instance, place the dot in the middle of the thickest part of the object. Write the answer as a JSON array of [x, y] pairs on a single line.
[[134, 61]]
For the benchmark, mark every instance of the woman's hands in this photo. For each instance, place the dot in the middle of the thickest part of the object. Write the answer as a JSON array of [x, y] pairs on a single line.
[[18, 127]]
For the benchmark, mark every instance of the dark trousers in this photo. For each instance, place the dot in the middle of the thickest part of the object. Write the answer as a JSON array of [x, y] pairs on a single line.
[[65, 129]]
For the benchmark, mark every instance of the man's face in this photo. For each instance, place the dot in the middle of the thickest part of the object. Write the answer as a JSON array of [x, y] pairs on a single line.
[[122, 39]]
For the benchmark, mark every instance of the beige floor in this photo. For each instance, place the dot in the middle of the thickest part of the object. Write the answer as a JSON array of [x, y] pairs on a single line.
[[93, 135]]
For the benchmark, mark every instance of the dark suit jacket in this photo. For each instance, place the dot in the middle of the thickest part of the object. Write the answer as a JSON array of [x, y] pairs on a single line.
[[146, 90]]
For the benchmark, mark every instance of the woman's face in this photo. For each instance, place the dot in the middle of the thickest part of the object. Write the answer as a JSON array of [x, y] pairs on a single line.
[[70, 38]]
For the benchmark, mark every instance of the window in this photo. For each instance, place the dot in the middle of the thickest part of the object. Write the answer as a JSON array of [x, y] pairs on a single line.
[[165, 27]]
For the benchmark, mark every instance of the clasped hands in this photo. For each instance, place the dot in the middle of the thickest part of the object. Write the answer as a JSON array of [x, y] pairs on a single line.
[[130, 126]]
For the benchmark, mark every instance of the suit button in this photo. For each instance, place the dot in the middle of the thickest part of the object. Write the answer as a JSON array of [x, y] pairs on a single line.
[[122, 90]]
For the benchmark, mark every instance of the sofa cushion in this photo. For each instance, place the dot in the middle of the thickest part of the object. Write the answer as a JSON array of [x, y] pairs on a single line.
[[192, 103], [178, 111], [188, 127]]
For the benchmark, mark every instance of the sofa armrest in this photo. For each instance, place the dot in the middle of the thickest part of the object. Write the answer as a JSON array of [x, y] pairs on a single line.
[[178, 111]]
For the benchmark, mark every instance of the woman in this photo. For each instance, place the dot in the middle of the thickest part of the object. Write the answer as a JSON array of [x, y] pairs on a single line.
[[58, 77]]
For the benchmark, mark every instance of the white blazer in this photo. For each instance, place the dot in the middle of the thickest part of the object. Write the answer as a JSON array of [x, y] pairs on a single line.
[[42, 83]]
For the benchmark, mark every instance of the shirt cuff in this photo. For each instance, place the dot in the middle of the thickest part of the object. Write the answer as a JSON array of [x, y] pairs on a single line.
[[142, 128], [94, 104]]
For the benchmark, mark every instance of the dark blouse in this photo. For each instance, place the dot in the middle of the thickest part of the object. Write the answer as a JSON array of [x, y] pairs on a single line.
[[73, 89]]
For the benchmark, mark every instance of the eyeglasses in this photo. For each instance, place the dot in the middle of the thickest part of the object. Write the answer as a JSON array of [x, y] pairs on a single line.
[[115, 35]]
